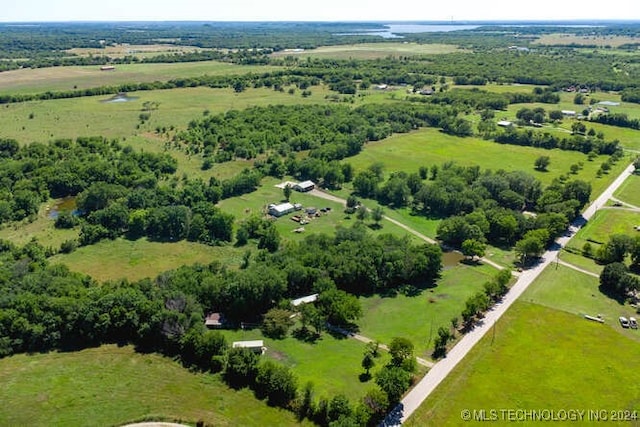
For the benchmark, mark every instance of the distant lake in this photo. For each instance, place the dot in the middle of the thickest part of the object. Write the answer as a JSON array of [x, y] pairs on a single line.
[[393, 30]]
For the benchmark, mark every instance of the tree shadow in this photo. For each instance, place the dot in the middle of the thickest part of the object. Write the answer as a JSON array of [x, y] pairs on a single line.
[[306, 335], [620, 299], [365, 377]]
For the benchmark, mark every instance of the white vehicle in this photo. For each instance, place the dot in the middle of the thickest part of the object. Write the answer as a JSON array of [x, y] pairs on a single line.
[[633, 324], [624, 322]]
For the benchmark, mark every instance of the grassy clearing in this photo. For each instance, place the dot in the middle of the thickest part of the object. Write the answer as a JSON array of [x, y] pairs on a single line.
[[139, 50], [88, 116], [333, 364], [372, 50], [605, 223], [137, 259], [42, 230], [539, 358], [426, 147], [565, 289], [582, 262], [628, 191], [419, 317], [574, 39], [256, 203], [83, 77], [114, 385]]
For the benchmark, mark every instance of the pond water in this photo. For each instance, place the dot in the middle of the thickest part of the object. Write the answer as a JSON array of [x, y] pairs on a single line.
[[121, 97], [451, 259], [66, 204], [393, 31]]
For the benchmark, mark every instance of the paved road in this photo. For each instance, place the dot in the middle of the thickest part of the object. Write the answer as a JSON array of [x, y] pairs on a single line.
[[434, 377], [327, 196]]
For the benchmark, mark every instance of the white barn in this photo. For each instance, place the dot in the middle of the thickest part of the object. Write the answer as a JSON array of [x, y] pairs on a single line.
[[281, 209]]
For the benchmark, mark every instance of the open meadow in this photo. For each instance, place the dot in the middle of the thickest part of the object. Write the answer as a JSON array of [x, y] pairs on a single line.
[[331, 363], [427, 147], [371, 50], [386, 317], [539, 358], [137, 259], [628, 191], [605, 223], [37, 80], [113, 385]]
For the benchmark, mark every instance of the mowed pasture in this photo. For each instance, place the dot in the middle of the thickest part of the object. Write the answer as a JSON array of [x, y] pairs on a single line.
[[591, 40], [37, 80], [427, 147], [538, 358], [605, 223], [90, 116], [256, 203], [575, 292], [331, 363], [137, 259], [372, 50], [119, 50], [418, 317], [628, 191], [113, 385]]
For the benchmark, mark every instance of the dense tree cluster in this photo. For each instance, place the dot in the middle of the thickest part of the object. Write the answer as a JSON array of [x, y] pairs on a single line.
[[330, 132]]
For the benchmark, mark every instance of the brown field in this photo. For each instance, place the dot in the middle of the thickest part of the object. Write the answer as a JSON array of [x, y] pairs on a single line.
[[124, 49], [372, 50], [600, 41]]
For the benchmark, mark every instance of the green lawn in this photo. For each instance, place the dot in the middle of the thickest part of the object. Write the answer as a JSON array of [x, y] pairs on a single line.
[[605, 223], [114, 385], [419, 317], [577, 293], [137, 259], [88, 116], [426, 147], [628, 191], [582, 262], [539, 358], [39, 80], [256, 203], [332, 364]]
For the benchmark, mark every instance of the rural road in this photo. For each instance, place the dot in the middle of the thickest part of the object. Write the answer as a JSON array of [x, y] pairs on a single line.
[[331, 197], [438, 373]]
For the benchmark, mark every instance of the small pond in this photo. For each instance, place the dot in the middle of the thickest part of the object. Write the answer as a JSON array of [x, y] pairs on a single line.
[[451, 259], [66, 204], [121, 97]]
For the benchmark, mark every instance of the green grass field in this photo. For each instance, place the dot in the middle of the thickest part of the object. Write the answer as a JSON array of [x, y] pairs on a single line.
[[88, 116], [137, 259], [256, 203], [539, 358], [605, 223], [372, 50], [332, 364], [577, 293], [419, 317], [39, 80], [628, 191], [114, 385], [426, 147]]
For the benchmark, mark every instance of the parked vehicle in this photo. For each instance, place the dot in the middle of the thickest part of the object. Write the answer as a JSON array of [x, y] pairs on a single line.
[[624, 322], [633, 323]]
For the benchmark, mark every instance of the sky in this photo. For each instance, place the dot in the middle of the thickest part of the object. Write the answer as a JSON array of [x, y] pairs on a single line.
[[321, 10]]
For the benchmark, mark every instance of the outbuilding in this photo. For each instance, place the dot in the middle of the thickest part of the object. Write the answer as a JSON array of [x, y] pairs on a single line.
[[214, 321], [257, 346], [304, 300], [281, 209], [304, 186]]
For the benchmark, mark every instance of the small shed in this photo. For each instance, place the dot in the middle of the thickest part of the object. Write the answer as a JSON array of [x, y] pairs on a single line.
[[568, 113], [107, 68], [304, 300], [215, 321], [504, 123], [257, 346], [304, 186], [281, 209]]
